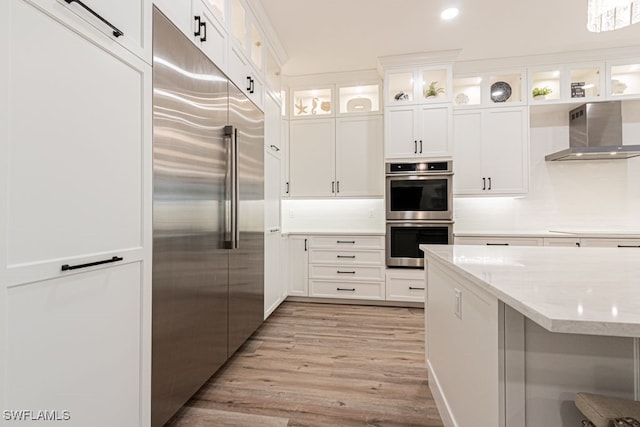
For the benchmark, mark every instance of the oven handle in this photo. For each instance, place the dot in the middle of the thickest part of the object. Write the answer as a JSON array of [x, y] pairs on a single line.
[[419, 174]]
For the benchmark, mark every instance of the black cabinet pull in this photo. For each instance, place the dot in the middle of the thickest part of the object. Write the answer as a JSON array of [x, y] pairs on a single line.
[[248, 82], [198, 26], [415, 147], [346, 256], [629, 246], [578, 244], [305, 245], [116, 32], [346, 241], [346, 289], [252, 86], [337, 186], [66, 267], [345, 272], [204, 36], [420, 146], [287, 187], [489, 184], [484, 183], [411, 288], [275, 147], [497, 244], [333, 187]]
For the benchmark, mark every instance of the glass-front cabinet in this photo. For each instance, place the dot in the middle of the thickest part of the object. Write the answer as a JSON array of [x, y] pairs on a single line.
[[312, 102], [246, 33], [218, 8], [505, 88], [239, 23], [624, 79], [489, 89], [359, 99], [586, 82], [418, 85], [545, 85], [273, 76], [467, 91]]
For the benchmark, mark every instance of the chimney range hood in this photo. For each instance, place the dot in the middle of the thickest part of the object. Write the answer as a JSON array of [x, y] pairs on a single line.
[[595, 133]]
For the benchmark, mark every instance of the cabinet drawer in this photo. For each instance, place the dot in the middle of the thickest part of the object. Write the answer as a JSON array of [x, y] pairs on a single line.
[[347, 242], [405, 288], [610, 243], [346, 273], [346, 257], [499, 241], [330, 289]]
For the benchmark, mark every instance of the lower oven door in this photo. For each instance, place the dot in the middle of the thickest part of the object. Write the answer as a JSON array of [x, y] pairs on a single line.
[[404, 237]]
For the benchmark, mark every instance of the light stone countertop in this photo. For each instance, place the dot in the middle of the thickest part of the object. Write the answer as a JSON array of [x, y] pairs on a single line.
[[560, 232], [593, 291], [335, 233]]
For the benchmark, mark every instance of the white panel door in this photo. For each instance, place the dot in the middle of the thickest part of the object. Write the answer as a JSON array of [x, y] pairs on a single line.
[[272, 272], [298, 266], [211, 36], [359, 157], [284, 139], [505, 150], [74, 343], [76, 139], [271, 190], [434, 131], [400, 132], [467, 149], [312, 158]]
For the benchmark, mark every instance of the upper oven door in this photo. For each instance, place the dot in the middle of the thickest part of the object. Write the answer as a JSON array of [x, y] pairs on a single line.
[[419, 197]]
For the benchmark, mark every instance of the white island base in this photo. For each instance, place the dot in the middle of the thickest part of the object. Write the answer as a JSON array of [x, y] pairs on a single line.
[[512, 334]]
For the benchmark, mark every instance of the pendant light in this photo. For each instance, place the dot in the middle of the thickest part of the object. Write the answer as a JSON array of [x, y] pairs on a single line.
[[609, 15]]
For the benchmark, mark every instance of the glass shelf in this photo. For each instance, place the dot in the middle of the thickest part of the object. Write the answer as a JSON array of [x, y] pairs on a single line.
[[359, 99], [434, 84], [584, 83], [625, 80], [501, 93], [312, 102], [467, 91], [546, 79], [400, 87], [217, 7]]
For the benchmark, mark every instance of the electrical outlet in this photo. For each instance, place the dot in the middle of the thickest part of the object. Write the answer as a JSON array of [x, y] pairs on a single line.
[[457, 307]]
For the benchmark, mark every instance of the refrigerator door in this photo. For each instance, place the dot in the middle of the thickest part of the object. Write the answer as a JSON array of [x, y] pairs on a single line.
[[190, 263], [246, 265]]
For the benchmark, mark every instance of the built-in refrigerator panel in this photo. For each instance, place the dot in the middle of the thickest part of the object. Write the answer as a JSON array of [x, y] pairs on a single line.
[[246, 263], [190, 262]]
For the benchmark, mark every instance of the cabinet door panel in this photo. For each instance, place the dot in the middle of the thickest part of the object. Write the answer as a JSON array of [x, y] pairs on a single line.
[[400, 140], [298, 266], [359, 158], [74, 344], [272, 275], [505, 155], [467, 158], [434, 131], [312, 158], [76, 172], [214, 44], [271, 190]]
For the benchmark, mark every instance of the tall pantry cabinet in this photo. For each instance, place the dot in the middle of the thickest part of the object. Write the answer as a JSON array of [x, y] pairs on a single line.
[[75, 209]]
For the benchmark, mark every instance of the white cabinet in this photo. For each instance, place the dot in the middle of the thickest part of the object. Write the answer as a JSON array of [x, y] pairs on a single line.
[[610, 243], [284, 133], [298, 266], [75, 186], [406, 285], [499, 241], [336, 157], [422, 85], [273, 277], [243, 76], [359, 163], [569, 242], [418, 131], [491, 151], [209, 34]]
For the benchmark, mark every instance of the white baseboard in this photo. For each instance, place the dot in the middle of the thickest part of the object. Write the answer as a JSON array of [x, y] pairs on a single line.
[[438, 396]]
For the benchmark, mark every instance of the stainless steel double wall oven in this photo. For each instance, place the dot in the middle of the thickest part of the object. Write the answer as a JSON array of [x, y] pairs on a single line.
[[419, 202]]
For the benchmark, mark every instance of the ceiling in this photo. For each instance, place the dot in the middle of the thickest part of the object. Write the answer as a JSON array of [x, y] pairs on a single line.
[[321, 36]]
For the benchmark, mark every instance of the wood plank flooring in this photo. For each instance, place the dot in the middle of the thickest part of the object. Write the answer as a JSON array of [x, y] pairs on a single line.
[[322, 365]]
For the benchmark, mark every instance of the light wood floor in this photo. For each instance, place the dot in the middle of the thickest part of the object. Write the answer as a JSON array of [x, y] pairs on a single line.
[[322, 365]]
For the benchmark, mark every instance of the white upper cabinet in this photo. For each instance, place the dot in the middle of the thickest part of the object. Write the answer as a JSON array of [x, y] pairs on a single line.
[[498, 89], [312, 158], [247, 35], [273, 76], [566, 83], [417, 85], [209, 32], [358, 99], [623, 79], [491, 152], [418, 131], [312, 102], [127, 22]]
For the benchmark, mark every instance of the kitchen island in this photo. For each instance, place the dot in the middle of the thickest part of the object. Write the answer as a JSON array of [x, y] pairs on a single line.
[[512, 333]]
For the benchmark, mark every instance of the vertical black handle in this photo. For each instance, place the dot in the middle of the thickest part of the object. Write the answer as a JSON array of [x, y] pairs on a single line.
[[287, 187], [248, 82], [415, 147], [305, 245], [420, 146], [252, 86], [489, 184], [484, 183], [337, 186], [198, 26], [116, 32], [333, 187], [204, 37]]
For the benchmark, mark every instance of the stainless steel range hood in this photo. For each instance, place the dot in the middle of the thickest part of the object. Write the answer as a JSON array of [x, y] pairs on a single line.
[[595, 133]]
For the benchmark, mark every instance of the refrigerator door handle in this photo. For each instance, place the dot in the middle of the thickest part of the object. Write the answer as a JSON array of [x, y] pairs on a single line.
[[229, 190], [236, 191]]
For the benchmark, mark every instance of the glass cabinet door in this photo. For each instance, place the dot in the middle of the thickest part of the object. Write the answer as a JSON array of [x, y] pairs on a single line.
[[400, 87], [585, 82], [311, 102], [218, 9], [545, 85], [273, 73], [239, 23], [359, 99], [505, 89], [257, 47], [625, 80], [467, 91], [434, 85]]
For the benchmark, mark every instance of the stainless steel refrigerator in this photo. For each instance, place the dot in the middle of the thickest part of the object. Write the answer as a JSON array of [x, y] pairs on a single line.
[[208, 219]]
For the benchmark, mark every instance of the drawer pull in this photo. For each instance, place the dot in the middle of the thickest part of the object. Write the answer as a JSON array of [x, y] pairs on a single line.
[[629, 246], [66, 267], [346, 241], [411, 288], [346, 256], [497, 244], [346, 289], [346, 272], [116, 32]]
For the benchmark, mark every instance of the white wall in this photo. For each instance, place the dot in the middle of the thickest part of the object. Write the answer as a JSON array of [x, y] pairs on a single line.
[[333, 215], [577, 195]]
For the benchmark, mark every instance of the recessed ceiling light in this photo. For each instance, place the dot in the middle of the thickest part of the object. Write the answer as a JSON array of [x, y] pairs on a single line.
[[450, 13]]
